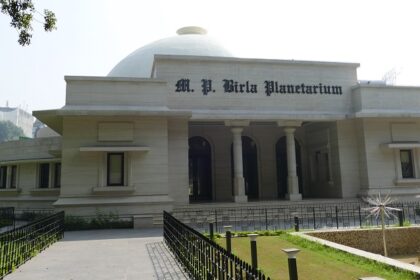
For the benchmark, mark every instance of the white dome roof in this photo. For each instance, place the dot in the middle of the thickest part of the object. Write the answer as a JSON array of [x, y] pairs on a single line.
[[192, 40]]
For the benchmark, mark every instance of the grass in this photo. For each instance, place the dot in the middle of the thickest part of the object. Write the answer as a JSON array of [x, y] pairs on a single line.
[[315, 261]]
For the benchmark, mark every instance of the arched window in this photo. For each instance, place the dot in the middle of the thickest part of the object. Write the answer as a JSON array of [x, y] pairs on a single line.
[[199, 162]]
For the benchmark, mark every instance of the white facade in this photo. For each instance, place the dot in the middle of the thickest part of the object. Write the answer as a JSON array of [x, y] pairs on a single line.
[[218, 129], [18, 117]]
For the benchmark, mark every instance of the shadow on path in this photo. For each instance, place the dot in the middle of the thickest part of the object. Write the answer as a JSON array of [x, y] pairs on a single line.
[[104, 234]]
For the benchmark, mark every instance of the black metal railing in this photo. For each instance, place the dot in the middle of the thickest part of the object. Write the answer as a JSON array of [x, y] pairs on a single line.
[[309, 216], [7, 216], [202, 257], [20, 244]]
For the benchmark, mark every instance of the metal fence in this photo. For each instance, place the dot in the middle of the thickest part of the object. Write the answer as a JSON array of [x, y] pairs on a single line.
[[309, 216], [203, 258], [7, 216], [20, 244]]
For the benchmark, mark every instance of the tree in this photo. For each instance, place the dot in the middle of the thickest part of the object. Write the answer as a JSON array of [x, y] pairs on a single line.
[[9, 131], [22, 13]]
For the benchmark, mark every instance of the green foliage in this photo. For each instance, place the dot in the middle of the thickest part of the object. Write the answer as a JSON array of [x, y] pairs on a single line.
[[261, 233], [245, 233], [33, 215], [5, 222], [22, 14], [9, 131], [100, 221], [406, 223]]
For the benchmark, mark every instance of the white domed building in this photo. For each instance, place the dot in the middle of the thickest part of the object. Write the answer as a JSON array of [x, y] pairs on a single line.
[[181, 123]]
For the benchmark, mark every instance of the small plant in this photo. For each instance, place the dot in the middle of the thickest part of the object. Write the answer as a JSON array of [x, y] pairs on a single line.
[[406, 223], [100, 221], [33, 215], [75, 223]]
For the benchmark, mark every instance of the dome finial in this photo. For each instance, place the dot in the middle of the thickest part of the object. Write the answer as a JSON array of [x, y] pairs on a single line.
[[188, 30]]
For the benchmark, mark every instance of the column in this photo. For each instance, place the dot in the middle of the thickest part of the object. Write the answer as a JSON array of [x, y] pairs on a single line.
[[292, 178], [238, 178]]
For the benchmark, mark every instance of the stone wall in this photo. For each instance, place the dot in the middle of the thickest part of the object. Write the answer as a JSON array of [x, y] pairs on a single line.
[[400, 241]]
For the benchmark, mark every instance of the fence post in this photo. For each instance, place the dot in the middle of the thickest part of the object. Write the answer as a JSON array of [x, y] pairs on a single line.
[[314, 216], [254, 258], [266, 219], [291, 260], [215, 219], [228, 234], [296, 221], [211, 229], [336, 215], [360, 217], [401, 218]]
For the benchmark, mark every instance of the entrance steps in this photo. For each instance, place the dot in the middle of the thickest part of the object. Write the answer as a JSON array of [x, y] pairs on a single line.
[[262, 204], [152, 220]]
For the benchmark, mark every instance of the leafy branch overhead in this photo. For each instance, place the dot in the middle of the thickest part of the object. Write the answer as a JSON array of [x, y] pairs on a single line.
[[22, 14]]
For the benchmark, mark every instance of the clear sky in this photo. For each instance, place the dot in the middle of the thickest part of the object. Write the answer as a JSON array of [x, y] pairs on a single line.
[[94, 35]]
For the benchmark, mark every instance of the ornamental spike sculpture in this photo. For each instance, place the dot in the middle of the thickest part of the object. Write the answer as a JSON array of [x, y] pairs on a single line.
[[381, 209]]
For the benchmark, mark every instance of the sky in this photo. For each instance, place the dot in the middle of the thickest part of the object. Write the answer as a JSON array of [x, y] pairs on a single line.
[[92, 36]]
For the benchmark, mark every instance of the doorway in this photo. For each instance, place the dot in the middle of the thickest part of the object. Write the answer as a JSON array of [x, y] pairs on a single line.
[[200, 172]]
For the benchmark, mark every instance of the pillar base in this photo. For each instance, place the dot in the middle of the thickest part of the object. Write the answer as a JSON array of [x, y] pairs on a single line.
[[239, 186], [240, 198], [294, 197]]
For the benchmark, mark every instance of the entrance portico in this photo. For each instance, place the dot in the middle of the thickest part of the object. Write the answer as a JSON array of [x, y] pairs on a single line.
[[245, 163]]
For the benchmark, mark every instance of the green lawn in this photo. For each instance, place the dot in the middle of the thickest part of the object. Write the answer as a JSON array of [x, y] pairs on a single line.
[[314, 261]]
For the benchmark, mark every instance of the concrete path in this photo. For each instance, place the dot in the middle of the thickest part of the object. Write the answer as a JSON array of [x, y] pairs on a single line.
[[127, 254]]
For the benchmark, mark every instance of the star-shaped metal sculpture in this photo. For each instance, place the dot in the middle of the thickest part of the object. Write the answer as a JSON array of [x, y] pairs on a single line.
[[380, 208], [380, 204]]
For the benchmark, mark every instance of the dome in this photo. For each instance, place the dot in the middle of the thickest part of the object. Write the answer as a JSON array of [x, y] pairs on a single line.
[[191, 40]]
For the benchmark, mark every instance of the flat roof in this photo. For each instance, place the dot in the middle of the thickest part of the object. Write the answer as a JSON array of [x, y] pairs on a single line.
[[252, 60]]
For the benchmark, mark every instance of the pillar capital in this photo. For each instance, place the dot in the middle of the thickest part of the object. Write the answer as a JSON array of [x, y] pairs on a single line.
[[289, 130], [237, 130]]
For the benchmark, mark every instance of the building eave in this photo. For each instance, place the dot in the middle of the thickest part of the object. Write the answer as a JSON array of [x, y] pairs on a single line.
[[51, 118], [146, 111]]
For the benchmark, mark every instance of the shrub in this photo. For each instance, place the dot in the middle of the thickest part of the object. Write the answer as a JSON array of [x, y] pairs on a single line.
[[100, 221]]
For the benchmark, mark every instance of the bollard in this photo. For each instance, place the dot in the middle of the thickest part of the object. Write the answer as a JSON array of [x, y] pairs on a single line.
[[296, 220], [401, 218], [254, 258], [211, 228], [228, 238], [291, 260]]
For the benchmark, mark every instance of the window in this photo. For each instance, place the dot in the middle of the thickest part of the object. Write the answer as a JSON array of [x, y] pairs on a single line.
[[115, 169], [44, 175], [57, 175], [3, 177], [407, 166], [13, 176]]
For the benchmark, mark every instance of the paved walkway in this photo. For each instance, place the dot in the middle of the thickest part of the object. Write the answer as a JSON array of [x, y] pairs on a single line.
[[127, 254]]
